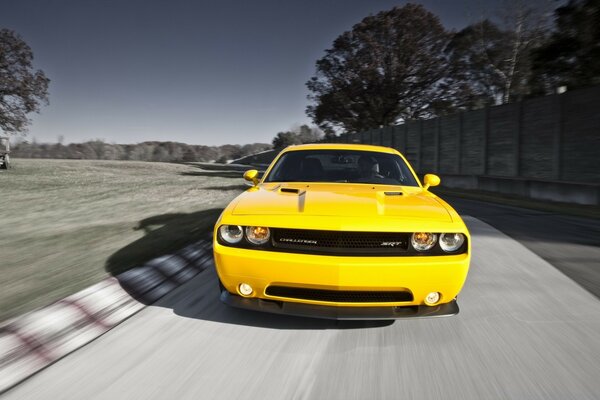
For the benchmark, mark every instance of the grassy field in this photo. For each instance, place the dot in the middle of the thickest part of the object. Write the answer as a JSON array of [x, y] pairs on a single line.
[[66, 224]]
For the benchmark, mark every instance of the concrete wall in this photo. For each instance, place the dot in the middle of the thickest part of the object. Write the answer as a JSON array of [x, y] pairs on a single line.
[[546, 147]]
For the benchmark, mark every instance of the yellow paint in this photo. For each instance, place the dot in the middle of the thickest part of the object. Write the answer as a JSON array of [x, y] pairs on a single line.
[[431, 180], [251, 176], [343, 207]]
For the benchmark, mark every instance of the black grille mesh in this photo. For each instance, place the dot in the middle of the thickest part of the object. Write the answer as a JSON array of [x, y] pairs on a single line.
[[339, 296], [334, 241]]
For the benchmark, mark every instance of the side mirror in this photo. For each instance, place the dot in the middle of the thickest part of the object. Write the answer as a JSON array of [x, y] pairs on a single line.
[[431, 180], [251, 176]]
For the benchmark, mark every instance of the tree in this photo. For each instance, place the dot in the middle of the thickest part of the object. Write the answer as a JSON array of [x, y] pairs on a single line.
[[22, 89], [390, 67], [297, 135], [571, 57], [474, 52], [491, 62], [306, 134], [284, 139]]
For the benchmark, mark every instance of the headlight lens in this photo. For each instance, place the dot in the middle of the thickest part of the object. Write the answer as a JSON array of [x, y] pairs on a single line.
[[451, 241], [423, 241], [257, 234], [232, 234]]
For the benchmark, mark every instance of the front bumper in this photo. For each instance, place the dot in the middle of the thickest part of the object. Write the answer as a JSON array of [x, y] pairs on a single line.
[[417, 275], [340, 313]]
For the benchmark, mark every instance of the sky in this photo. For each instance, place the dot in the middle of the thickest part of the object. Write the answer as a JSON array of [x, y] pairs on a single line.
[[201, 72]]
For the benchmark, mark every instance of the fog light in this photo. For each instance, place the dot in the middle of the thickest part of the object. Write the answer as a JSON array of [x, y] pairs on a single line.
[[245, 289], [432, 298]]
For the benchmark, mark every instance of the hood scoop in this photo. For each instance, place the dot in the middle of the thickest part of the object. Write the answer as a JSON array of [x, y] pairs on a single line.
[[351, 201], [291, 190]]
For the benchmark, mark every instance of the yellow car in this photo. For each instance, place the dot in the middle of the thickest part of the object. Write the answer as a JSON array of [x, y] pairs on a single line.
[[341, 231]]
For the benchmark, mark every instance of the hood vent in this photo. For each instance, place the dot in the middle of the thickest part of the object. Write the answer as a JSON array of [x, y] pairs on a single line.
[[393, 193], [290, 190]]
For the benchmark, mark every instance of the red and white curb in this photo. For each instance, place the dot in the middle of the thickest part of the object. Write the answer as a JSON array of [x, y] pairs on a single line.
[[35, 340]]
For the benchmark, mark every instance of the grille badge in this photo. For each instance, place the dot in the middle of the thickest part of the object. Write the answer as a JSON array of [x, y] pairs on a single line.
[[302, 241], [391, 244]]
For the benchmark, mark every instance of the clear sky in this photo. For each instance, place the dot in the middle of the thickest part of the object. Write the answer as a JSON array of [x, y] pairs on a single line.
[[201, 72]]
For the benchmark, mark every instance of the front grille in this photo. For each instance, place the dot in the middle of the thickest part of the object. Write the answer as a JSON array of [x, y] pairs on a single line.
[[335, 242], [340, 296]]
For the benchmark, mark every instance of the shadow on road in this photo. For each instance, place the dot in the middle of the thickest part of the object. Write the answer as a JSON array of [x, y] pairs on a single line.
[[145, 267], [198, 298]]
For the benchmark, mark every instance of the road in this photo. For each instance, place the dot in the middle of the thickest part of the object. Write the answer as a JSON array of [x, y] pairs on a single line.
[[525, 331], [571, 244]]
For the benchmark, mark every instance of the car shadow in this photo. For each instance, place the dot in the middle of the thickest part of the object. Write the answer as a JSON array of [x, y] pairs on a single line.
[[150, 269], [163, 234]]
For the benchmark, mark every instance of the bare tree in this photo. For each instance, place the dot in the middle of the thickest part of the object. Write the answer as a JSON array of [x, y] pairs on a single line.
[[493, 58], [22, 89], [527, 29]]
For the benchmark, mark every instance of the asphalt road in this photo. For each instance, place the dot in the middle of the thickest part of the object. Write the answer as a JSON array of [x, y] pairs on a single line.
[[525, 331], [571, 244]]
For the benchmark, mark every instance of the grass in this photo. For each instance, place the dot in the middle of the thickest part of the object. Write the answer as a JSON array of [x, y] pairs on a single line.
[[66, 224]]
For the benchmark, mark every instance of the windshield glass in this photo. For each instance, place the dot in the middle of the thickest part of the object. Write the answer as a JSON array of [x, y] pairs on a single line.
[[351, 166]]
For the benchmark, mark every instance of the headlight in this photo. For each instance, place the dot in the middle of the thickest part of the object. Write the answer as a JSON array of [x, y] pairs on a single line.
[[451, 241], [257, 234], [232, 234], [423, 241]]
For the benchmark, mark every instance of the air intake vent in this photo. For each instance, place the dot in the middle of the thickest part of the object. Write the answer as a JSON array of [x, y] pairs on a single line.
[[289, 190], [340, 296]]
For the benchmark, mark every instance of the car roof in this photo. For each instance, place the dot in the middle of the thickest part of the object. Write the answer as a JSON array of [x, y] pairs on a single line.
[[340, 146]]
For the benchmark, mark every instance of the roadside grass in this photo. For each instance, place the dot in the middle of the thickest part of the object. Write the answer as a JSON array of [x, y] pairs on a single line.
[[67, 224]]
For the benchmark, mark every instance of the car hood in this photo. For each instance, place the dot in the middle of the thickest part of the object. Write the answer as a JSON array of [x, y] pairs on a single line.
[[343, 200]]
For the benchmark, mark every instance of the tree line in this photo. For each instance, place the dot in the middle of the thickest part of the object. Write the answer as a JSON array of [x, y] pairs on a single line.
[[397, 65], [403, 64], [146, 151]]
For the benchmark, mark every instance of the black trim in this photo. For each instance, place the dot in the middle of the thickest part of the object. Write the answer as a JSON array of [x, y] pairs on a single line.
[[340, 296], [340, 313], [399, 251], [339, 242]]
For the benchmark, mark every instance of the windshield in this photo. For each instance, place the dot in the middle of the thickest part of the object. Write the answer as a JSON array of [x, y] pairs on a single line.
[[352, 166]]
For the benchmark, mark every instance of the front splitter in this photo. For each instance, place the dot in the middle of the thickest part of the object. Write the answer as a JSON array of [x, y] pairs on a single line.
[[341, 313]]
